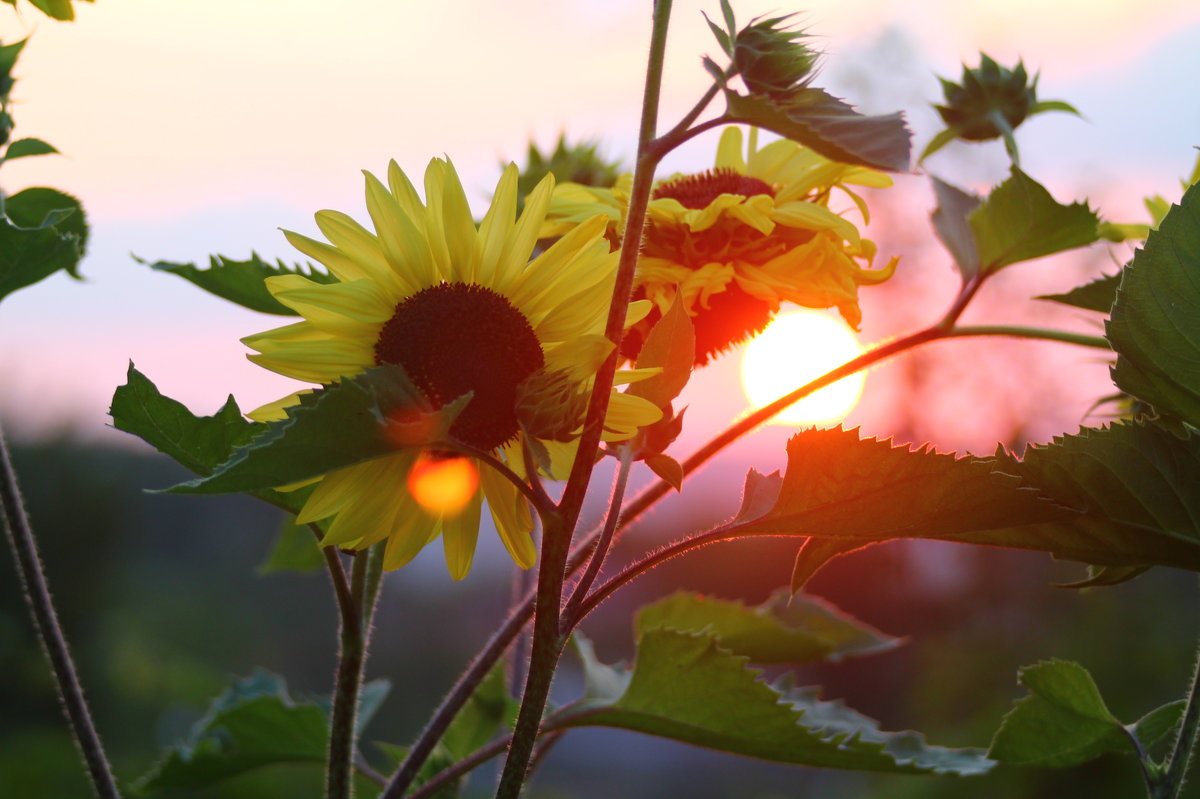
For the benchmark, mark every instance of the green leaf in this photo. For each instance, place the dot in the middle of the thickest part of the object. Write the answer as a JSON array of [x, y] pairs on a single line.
[[858, 491], [1155, 325], [23, 148], [667, 468], [939, 141], [820, 121], [1064, 721], [58, 9], [241, 282], [1042, 106], [1020, 221], [804, 630], [670, 345], [1098, 295], [254, 723], [687, 688], [950, 223], [759, 495], [359, 419], [199, 443], [44, 231], [1137, 486], [44, 208], [723, 39], [295, 550]]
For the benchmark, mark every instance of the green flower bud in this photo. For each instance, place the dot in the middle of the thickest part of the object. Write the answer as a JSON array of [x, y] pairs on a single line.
[[989, 97], [772, 59]]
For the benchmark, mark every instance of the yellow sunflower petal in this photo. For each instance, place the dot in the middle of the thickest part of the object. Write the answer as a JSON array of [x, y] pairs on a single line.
[[276, 411], [510, 512], [459, 534], [413, 530], [626, 413], [496, 229], [729, 151], [450, 227], [525, 235], [366, 511], [403, 240], [337, 262], [357, 242]]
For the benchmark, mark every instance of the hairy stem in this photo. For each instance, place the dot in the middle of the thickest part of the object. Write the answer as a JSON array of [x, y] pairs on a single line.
[[1176, 766], [347, 683], [45, 620]]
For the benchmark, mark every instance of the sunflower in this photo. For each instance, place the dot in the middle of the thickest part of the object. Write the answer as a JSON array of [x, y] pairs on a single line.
[[463, 309], [739, 239]]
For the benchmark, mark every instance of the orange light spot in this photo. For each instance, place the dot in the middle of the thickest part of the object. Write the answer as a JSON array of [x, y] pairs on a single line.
[[443, 485]]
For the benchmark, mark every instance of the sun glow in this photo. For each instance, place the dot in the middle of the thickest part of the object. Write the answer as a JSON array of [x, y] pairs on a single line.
[[797, 347], [443, 485]]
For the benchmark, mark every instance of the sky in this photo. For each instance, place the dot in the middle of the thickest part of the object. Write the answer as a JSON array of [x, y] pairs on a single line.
[[189, 128]]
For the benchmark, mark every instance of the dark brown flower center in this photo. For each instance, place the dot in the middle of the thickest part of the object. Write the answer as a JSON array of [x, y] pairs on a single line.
[[455, 338], [697, 191]]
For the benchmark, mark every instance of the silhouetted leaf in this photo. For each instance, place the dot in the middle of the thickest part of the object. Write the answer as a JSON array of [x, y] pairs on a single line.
[[241, 282], [1155, 325], [820, 121], [23, 148], [671, 346], [951, 225], [1098, 295]]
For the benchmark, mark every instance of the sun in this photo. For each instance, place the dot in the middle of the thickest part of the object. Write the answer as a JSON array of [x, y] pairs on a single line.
[[797, 347]]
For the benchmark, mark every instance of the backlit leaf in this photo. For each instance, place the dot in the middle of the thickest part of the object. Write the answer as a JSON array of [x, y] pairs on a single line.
[[44, 231], [671, 346], [804, 630], [687, 688], [1020, 221], [1064, 721], [23, 148]]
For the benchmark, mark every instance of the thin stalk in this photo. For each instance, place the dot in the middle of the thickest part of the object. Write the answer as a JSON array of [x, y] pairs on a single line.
[[54, 642], [1176, 766], [451, 773], [969, 289], [602, 545], [532, 490], [339, 782], [1018, 331]]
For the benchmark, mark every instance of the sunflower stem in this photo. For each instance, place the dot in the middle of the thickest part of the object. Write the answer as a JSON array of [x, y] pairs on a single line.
[[558, 528], [339, 782], [1174, 770], [45, 620]]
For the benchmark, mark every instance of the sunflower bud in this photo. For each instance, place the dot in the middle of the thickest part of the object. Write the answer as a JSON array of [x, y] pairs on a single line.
[[986, 95], [772, 59], [578, 163], [550, 405], [990, 103]]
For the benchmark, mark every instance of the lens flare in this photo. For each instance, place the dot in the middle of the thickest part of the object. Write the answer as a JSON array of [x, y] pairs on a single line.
[[794, 349], [443, 485]]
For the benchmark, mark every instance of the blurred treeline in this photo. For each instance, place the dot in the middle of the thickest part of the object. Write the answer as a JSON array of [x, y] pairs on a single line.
[[161, 598]]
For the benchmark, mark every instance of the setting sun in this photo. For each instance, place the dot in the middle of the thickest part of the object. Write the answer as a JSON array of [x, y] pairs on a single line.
[[797, 347]]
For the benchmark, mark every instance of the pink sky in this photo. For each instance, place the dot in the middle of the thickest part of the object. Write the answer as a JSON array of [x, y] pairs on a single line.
[[198, 127]]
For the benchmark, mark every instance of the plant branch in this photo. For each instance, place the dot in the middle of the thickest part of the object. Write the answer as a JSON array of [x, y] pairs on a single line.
[[1017, 331], [600, 551], [347, 683], [45, 621], [457, 697]]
